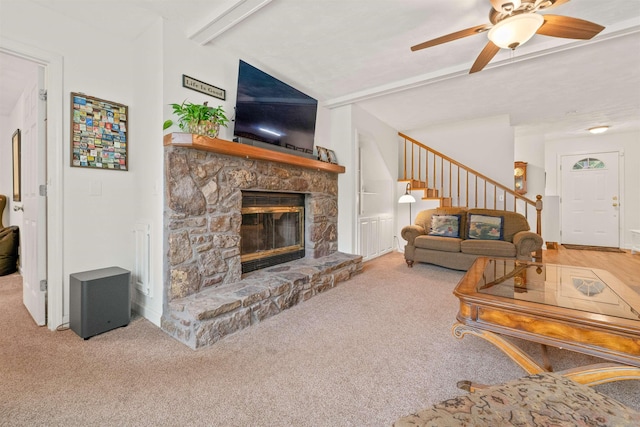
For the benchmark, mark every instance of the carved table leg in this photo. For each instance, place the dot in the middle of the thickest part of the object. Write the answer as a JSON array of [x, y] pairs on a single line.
[[514, 352], [590, 375]]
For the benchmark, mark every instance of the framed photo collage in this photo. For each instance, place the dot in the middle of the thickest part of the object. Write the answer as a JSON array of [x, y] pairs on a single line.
[[99, 137]]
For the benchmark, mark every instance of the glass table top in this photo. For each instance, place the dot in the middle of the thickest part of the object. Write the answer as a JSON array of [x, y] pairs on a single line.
[[564, 286]]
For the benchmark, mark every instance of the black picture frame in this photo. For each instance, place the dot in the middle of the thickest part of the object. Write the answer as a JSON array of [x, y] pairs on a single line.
[[99, 133], [17, 182]]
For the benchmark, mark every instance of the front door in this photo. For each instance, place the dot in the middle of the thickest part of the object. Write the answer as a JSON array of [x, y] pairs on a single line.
[[590, 199], [33, 255]]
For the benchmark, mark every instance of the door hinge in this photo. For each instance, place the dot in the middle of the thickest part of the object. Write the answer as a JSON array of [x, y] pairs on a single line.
[[43, 190], [43, 94], [43, 285]]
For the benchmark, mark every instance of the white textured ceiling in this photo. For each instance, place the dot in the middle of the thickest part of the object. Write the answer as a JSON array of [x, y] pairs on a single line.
[[343, 51]]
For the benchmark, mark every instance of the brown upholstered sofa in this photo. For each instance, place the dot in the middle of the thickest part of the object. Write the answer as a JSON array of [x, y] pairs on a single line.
[[454, 237]]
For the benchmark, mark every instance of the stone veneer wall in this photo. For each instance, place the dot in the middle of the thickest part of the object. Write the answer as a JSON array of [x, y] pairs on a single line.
[[202, 233]]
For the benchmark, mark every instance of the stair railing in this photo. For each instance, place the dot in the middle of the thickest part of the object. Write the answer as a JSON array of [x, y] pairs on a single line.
[[454, 184]]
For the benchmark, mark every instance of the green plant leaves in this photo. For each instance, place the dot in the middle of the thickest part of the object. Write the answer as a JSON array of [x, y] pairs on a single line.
[[188, 112]]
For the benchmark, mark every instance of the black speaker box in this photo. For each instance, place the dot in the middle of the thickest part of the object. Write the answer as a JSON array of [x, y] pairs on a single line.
[[99, 301]]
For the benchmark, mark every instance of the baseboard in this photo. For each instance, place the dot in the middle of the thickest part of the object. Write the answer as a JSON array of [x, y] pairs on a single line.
[[146, 312]]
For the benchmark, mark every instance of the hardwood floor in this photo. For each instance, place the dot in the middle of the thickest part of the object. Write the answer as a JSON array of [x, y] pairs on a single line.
[[624, 266]]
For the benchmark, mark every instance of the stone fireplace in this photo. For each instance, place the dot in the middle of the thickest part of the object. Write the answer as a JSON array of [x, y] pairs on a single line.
[[207, 296]]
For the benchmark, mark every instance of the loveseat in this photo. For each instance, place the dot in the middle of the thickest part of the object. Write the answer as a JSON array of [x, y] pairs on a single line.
[[453, 237]]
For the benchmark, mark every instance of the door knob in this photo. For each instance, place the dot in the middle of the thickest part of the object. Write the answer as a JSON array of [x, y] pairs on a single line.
[[615, 204]]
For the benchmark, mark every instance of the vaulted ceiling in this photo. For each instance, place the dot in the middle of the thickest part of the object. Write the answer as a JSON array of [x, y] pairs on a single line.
[[345, 51]]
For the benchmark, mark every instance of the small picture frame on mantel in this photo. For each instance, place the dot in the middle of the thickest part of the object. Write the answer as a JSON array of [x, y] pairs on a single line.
[[332, 157], [323, 154]]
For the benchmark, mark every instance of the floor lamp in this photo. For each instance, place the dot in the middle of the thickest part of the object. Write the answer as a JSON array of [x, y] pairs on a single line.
[[407, 198]]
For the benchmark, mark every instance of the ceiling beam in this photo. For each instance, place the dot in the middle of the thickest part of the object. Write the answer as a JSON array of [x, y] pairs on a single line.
[[225, 19]]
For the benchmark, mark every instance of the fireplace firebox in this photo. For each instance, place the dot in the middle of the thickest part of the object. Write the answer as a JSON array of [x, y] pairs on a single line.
[[272, 229]]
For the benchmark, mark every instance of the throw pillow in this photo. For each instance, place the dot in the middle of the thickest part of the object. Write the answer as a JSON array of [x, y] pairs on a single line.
[[445, 225], [485, 227]]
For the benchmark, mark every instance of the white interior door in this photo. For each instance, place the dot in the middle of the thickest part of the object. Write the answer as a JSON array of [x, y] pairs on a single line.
[[590, 199], [33, 242]]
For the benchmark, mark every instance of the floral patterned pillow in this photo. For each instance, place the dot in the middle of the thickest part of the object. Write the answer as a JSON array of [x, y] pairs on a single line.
[[445, 225], [485, 227]]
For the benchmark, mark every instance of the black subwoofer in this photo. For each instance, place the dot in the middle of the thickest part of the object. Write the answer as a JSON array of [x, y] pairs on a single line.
[[99, 301]]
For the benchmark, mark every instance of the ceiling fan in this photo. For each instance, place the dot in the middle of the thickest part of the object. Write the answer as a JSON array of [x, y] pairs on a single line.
[[514, 22]]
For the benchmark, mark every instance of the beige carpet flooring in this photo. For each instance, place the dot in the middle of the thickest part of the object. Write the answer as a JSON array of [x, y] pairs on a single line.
[[363, 354]]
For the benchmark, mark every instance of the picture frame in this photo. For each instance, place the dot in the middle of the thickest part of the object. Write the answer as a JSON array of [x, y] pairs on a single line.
[[332, 157], [99, 133], [323, 154], [17, 184]]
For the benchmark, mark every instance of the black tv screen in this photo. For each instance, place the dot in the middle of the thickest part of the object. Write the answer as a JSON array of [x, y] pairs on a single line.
[[270, 111]]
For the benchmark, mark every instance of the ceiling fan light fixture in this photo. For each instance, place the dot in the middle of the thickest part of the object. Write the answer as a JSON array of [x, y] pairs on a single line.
[[598, 129], [506, 6], [515, 30]]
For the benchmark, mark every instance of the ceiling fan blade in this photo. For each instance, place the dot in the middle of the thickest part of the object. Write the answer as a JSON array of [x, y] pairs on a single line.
[[453, 36], [569, 28], [485, 56]]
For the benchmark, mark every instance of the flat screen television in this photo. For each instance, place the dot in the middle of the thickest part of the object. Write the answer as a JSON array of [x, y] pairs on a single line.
[[272, 114]]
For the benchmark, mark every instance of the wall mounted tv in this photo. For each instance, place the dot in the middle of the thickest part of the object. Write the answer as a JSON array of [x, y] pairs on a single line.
[[272, 114]]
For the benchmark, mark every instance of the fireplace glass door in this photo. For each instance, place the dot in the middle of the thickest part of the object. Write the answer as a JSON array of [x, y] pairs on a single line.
[[271, 235]]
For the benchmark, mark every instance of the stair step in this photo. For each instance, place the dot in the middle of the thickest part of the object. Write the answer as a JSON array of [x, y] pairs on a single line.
[[415, 184], [431, 193]]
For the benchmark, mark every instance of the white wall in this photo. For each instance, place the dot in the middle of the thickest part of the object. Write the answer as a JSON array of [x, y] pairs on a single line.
[[351, 126], [485, 145], [146, 162], [343, 143], [530, 149], [379, 167], [625, 142]]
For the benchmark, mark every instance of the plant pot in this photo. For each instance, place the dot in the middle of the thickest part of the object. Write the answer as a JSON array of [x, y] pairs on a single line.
[[205, 128]]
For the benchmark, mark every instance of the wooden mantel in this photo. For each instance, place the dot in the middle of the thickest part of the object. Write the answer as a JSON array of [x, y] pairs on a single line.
[[229, 148]]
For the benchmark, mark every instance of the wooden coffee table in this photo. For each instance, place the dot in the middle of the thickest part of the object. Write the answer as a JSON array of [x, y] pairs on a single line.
[[580, 309]]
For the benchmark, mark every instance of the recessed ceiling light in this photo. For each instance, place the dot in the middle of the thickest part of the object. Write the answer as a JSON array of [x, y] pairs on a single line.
[[599, 129]]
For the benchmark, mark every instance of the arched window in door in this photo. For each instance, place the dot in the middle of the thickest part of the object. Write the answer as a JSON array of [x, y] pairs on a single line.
[[588, 163]]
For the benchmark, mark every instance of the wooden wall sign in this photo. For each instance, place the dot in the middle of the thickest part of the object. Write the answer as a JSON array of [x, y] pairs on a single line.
[[202, 87], [99, 133]]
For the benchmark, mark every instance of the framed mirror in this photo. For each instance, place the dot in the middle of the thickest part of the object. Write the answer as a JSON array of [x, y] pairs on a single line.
[[17, 186]]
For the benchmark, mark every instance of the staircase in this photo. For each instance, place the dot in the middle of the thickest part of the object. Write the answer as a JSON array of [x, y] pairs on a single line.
[[454, 184]]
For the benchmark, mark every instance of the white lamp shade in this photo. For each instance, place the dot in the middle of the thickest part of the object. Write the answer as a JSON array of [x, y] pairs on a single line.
[[406, 198], [515, 30]]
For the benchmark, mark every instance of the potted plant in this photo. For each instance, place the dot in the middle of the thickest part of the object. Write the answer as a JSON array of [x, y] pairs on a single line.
[[198, 118]]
